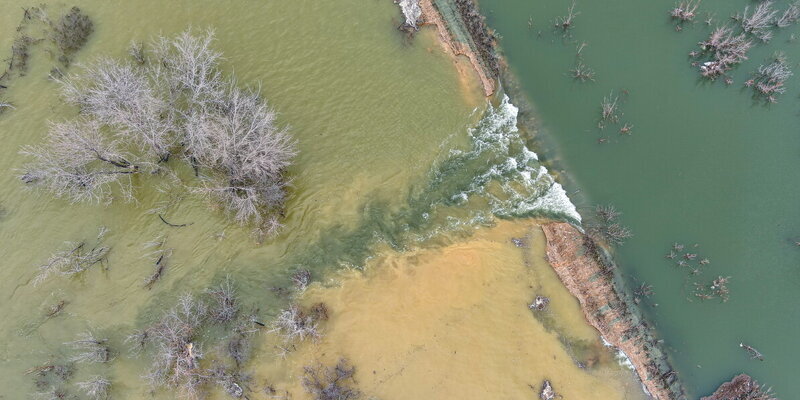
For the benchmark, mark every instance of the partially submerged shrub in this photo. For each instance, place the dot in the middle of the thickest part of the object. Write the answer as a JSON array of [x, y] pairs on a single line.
[[225, 305], [790, 16], [96, 387], [565, 22], [176, 362], [177, 104], [685, 11], [296, 324], [72, 30], [330, 383], [175, 344], [769, 80], [301, 279], [759, 22], [726, 50], [605, 227]]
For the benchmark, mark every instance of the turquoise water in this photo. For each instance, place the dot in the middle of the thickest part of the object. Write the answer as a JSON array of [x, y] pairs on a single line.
[[705, 164]]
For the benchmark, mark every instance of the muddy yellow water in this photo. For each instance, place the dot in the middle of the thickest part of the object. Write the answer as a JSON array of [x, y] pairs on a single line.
[[374, 114], [453, 322]]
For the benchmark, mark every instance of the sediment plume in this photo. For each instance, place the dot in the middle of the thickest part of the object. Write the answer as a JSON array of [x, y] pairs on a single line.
[[589, 276], [741, 387], [462, 32]]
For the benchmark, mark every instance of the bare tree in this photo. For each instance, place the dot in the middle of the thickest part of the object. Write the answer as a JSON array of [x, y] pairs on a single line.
[[96, 387], [91, 349], [175, 102]]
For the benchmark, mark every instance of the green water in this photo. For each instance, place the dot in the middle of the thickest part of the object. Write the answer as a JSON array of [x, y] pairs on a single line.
[[705, 164]]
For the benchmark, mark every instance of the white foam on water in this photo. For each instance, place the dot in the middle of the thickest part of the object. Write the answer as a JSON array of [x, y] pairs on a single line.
[[526, 186]]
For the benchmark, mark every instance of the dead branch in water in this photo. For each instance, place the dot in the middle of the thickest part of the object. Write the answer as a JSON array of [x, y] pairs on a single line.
[[565, 22], [754, 354], [161, 255], [581, 71], [608, 110]]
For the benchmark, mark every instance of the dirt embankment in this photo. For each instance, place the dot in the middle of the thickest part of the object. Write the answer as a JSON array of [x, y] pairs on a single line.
[[608, 310], [741, 387], [462, 32]]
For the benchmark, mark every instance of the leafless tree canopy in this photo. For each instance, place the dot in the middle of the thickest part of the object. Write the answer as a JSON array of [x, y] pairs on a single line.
[[172, 101]]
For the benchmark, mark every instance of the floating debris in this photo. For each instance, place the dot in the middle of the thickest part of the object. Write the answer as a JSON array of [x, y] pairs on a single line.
[[547, 392], [540, 303], [754, 354]]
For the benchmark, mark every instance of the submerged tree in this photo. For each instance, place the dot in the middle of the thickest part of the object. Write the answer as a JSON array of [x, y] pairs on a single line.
[[173, 102]]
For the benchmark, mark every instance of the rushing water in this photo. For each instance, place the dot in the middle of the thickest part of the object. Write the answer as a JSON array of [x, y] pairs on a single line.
[[705, 164], [396, 149]]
